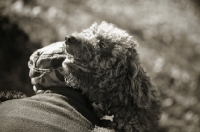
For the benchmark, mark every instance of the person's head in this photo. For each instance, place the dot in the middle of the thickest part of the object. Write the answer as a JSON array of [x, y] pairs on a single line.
[[46, 66]]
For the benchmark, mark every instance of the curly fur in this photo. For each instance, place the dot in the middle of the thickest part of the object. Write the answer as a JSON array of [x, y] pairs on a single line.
[[102, 61]]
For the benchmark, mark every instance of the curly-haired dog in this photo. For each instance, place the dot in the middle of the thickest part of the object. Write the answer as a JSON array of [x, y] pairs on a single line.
[[102, 61]]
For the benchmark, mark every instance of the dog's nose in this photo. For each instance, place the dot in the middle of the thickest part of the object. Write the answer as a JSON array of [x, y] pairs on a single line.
[[66, 38], [70, 39]]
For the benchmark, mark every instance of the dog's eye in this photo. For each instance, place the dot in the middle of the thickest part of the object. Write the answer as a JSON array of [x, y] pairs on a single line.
[[102, 45]]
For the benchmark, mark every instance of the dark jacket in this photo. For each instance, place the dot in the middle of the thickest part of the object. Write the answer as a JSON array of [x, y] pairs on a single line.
[[61, 110]]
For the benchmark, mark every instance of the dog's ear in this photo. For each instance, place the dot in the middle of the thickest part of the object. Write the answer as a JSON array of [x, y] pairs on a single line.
[[139, 82]]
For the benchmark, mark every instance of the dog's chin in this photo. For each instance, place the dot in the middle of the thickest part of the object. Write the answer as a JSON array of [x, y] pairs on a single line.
[[74, 69]]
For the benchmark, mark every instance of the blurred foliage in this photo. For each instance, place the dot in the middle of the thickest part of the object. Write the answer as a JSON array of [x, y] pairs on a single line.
[[167, 32]]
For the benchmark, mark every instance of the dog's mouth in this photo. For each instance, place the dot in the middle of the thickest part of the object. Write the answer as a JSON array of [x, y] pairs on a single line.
[[75, 63]]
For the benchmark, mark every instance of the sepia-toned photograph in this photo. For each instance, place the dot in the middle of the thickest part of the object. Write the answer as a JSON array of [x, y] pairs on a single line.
[[99, 66]]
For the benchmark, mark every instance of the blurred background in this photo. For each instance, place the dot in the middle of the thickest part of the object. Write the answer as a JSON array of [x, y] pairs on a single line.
[[167, 31]]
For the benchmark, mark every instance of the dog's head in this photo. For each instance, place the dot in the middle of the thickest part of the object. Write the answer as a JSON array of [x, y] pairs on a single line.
[[103, 62]]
